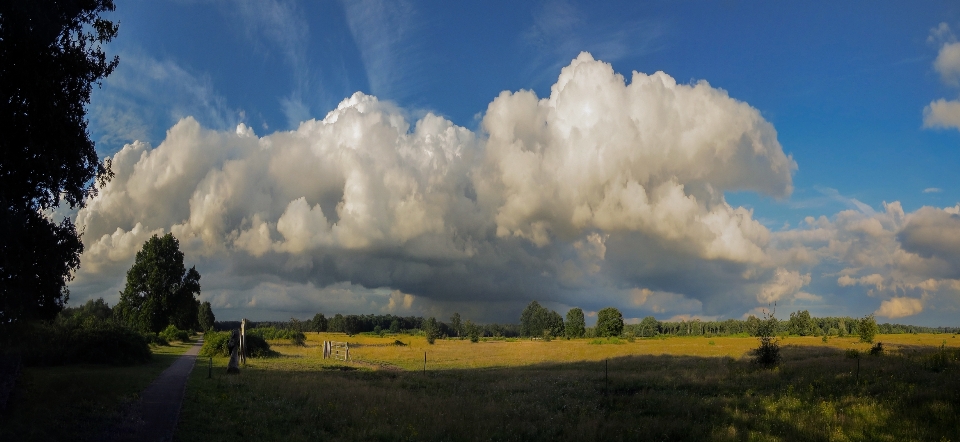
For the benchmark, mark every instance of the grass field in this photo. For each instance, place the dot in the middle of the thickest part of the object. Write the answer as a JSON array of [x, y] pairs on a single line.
[[651, 389], [79, 401]]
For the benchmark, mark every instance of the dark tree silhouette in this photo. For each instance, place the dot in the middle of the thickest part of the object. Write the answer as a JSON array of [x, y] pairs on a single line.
[[50, 56], [160, 291]]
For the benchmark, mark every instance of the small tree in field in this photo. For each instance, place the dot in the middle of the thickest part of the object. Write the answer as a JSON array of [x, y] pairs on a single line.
[[609, 322], [768, 353], [867, 328], [431, 329], [473, 331]]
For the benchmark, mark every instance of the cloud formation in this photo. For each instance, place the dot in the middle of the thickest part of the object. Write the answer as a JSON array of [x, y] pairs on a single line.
[[903, 260], [526, 209], [943, 113], [608, 191]]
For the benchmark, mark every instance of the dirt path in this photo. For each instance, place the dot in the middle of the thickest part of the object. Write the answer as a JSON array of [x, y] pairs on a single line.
[[155, 416]]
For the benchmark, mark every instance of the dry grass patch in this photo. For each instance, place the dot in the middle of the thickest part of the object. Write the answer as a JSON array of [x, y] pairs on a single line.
[[674, 389]]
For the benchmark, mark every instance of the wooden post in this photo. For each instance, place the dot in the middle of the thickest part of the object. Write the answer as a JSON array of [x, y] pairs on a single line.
[[210, 368], [346, 356], [243, 341], [424, 362]]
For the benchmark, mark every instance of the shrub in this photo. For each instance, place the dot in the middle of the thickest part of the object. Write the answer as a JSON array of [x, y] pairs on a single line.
[[877, 349], [297, 338], [431, 329], [154, 339], [867, 328], [215, 344], [768, 353], [94, 342], [172, 333]]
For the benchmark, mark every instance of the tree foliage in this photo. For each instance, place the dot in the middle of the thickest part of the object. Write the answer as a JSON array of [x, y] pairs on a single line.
[[318, 323], [457, 324], [609, 322], [431, 329], [205, 317], [768, 353], [160, 291], [649, 326], [50, 55], [867, 328], [575, 327], [801, 324], [537, 320]]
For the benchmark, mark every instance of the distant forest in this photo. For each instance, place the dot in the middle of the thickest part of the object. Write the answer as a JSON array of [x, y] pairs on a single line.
[[799, 323]]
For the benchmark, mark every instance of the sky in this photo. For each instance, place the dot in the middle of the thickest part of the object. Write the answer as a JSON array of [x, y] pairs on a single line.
[[680, 160]]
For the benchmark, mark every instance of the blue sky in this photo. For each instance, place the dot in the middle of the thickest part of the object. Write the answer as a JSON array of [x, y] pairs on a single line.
[[844, 86]]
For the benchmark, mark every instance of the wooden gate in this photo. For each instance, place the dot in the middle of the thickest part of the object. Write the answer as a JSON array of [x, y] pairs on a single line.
[[336, 350]]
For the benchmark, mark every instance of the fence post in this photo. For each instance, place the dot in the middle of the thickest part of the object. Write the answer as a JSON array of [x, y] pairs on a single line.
[[347, 355]]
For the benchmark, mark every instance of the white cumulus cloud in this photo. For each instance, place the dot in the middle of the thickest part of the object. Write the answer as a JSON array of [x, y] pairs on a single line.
[[899, 307]]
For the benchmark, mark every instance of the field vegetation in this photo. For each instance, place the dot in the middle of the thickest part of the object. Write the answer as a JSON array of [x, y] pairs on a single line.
[[666, 388]]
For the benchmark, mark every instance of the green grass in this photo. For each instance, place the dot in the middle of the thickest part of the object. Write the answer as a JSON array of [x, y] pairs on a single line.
[[906, 394], [78, 402]]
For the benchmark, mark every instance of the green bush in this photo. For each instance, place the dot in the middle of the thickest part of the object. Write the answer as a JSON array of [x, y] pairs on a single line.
[[768, 353], [93, 342], [172, 333], [154, 339], [298, 339], [215, 344]]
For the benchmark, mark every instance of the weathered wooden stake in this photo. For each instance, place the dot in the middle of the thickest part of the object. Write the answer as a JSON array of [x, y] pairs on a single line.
[[210, 368], [424, 362]]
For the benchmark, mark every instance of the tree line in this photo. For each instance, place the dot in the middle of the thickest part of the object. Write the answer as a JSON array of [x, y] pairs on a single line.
[[540, 322]]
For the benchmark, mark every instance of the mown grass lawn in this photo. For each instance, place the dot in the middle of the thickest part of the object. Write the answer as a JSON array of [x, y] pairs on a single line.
[[672, 389], [79, 401]]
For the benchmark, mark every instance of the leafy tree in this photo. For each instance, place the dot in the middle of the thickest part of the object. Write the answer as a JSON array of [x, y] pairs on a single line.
[[575, 326], [97, 309], [431, 329], [205, 318], [319, 323], [768, 353], [535, 320], [473, 331], [609, 322], [457, 324], [554, 324], [351, 324], [336, 324], [160, 291], [648, 326], [801, 323], [395, 326], [867, 328], [50, 55]]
